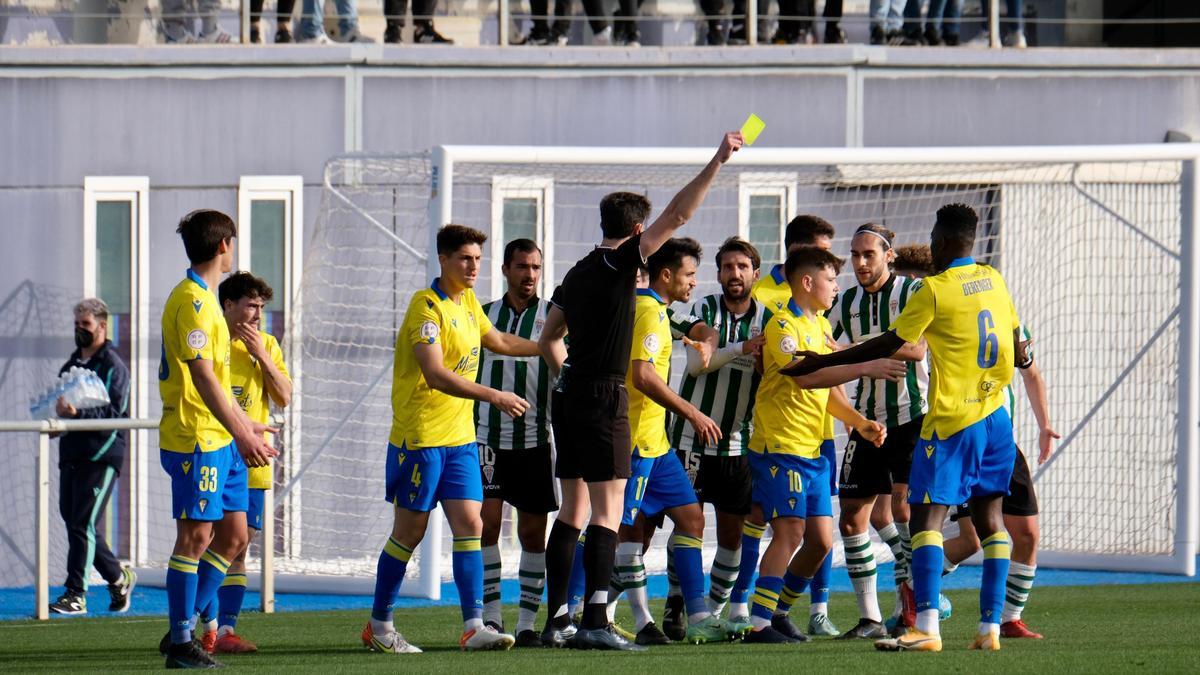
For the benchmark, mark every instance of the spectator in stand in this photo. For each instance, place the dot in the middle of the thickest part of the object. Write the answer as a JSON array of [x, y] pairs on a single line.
[[887, 18], [312, 23], [1012, 27], [625, 34], [177, 23], [283, 21], [941, 23], [423, 32], [88, 463], [543, 33]]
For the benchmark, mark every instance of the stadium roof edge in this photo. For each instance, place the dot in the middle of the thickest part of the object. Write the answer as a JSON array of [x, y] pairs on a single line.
[[831, 56]]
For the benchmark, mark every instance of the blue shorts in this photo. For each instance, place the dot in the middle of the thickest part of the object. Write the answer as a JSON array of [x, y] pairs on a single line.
[[655, 484], [788, 486], [829, 453], [418, 479], [975, 462], [204, 485], [254, 508]]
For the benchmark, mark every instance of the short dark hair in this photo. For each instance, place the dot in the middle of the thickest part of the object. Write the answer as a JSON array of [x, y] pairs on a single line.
[[804, 230], [450, 238], [620, 212], [202, 231], [739, 245], [914, 257], [671, 254], [810, 259], [244, 285], [875, 228], [521, 245], [957, 223]]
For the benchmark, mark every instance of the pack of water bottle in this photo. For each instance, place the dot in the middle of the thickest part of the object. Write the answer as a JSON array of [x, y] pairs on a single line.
[[79, 387]]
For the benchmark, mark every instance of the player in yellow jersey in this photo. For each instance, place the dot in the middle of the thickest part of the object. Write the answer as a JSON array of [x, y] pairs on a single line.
[[773, 292], [966, 451], [206, 440], [432, 454], [791, 477], [259, 377]]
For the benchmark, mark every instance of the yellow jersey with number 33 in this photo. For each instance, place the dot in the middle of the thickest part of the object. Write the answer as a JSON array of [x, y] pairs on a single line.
[[967, 317], [421, 416], [773, 292], [789, 420], [651, 343], [249, 390], [193, 328]]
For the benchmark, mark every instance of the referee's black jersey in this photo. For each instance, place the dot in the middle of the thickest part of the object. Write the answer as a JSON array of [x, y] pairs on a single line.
[[597, 297]]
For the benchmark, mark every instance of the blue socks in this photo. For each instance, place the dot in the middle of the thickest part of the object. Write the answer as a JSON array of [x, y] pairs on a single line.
[[819, 589], [751, 540], [181, 596], [689, 567], [468, 576], [230, 596], [996, 551], [794, 586], [576, 586], [389, 574], [209, 577]]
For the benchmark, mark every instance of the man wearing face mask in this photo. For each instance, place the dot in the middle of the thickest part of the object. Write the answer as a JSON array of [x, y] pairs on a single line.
[[88, 463]]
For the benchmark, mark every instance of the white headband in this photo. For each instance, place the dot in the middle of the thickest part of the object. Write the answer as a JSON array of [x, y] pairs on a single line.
[[887, 245]]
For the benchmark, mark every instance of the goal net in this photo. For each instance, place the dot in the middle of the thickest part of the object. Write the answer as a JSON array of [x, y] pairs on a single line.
[[1091, 242]]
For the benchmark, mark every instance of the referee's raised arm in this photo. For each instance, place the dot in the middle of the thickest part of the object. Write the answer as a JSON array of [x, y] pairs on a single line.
[[684, 204]]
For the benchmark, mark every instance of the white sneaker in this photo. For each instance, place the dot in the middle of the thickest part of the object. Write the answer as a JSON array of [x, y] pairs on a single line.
[[217, 37], [1015, 39], [485, 639], [321, 39], [603, 38], [355, 36], [980, 41], [392, 643]]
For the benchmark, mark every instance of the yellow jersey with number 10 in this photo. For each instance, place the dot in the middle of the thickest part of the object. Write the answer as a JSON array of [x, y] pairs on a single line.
[[249, 390], [967, 317], [773, 292], [789, 420], [193, 328], [651, 343], [421, 416]]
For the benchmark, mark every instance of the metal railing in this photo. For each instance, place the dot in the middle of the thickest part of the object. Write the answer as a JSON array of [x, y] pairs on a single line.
[[44, 429]]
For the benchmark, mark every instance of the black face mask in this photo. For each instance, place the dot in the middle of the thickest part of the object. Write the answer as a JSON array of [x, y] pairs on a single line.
[[83, 338]]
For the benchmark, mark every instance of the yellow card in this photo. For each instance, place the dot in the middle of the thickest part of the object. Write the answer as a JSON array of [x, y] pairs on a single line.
[[752, 128]]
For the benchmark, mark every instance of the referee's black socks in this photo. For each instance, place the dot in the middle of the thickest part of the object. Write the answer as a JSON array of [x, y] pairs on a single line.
[[560, 556], [599, 553]]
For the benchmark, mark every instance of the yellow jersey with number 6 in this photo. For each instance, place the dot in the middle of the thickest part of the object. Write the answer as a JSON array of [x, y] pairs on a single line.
[[967, 318]]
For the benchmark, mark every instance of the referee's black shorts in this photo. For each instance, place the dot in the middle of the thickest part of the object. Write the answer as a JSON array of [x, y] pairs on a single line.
[[591, 429]]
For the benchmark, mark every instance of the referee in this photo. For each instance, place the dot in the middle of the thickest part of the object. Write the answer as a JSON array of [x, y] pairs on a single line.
[[590, 406]]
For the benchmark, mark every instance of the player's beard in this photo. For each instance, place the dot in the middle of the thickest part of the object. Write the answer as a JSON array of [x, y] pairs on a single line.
[[873, 280], [736, 297]]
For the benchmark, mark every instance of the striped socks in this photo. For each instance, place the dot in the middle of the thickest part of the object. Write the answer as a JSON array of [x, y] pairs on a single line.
[[491, 585], [389, 575], [721, 578], [209, 576], [467, 561], [927, 578], [181, 596], [1016, 594], [860, 564], [765, 600], [752, 535], [794, 586], [532, 576], [630, 573], [689, 567], [230, 596], [996, 551]]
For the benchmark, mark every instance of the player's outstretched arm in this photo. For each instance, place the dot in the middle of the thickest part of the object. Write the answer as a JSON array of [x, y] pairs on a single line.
[[499, 342], [551, 342], [880, 347], [835, 376], [248, 436], [1035, 388], [684, 204], [839, 406], [441, 378], [646, 380]]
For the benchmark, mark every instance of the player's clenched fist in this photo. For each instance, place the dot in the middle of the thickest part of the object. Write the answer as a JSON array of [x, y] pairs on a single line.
[[510, 404], [874, 432]]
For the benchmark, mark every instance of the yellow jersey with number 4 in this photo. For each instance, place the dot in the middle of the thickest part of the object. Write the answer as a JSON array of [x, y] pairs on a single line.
[[249, 390], [773, 292], [421, 416], [789, 420], [651, 343], [193, 328], [967, 317]]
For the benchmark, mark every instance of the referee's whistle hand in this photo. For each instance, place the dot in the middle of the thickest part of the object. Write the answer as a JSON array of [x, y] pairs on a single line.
[[511, 404]]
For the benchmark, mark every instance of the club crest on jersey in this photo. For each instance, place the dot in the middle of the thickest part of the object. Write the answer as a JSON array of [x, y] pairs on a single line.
[[429, 331], [412, 497], [787, 344], [197, 339], [792, 503], [538, 324], [187, 466], [488, 471], [197, 304], [203, 503], [895, 305], [755, 331], [650, 342]]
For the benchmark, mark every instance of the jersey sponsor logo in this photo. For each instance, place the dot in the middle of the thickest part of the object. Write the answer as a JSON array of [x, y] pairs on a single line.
[[237, 391], [650, 342], [430, 331], [197, 339], [987, 386], [787, 344]]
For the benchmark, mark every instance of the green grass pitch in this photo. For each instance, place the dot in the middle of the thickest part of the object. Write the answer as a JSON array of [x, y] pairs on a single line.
[[1149, 628]]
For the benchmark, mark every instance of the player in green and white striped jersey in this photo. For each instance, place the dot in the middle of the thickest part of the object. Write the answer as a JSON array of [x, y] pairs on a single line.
[[1020, 507], [859, 314], [515, 455]]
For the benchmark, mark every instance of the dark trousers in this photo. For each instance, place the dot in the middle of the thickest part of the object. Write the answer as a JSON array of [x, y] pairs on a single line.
[[84, 489], [562, 13], [422, 11], [807, 8], [283, 12]]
